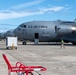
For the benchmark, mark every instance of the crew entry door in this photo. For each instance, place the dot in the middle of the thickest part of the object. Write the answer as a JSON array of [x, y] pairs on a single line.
[[36, 36]]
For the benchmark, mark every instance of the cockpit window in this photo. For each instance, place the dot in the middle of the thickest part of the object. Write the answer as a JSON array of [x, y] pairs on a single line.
[[23, 26]]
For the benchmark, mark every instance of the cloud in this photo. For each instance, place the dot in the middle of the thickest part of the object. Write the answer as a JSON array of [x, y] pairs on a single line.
[[14, 14], [8, 14], [27, 4], [53, 9]]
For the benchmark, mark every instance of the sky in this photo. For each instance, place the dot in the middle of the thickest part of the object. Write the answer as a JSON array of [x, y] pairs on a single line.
[[15, 12]]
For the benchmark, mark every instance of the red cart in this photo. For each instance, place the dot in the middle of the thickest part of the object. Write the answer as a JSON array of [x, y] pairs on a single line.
[[22, 69]]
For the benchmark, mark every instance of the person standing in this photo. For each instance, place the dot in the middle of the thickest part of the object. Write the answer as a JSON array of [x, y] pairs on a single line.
[[62, 44]]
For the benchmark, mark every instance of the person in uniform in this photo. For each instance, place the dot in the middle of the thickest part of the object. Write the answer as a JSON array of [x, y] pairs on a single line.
[[62, 44]]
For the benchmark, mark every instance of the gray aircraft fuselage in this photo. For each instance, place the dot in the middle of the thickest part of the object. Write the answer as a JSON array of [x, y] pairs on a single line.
[[47, 31], [8, 33]]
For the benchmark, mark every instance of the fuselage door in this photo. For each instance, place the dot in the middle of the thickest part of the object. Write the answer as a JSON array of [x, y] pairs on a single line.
[[36, 38], [36, 35]]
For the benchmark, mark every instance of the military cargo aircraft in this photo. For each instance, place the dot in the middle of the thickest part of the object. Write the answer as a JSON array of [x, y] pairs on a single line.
[[8, 33], [2, 35], [47, 31]]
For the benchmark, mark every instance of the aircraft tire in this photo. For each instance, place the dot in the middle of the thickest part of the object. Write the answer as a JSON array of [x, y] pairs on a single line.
[[7, 47], [24, 43], [15, 47]]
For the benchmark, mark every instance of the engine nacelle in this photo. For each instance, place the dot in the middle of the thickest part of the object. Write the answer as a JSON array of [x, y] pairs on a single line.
[[63, 29]]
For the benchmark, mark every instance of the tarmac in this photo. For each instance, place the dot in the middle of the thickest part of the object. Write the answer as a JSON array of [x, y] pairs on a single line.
[[57, 61]]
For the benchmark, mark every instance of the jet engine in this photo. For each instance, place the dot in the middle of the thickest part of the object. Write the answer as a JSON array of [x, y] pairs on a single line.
[[65, 29]]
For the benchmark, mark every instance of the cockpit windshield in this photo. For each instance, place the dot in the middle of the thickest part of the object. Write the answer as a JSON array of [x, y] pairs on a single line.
[[22, 26]]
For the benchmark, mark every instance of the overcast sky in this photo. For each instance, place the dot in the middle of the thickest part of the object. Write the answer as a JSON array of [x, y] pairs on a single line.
[[15, 12]]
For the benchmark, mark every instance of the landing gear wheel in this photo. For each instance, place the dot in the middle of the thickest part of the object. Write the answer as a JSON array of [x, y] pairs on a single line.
[[15, 47], [24, 43], [7, 47]]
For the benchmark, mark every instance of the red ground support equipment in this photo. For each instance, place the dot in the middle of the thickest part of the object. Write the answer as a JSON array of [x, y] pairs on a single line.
[[22, 69]]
